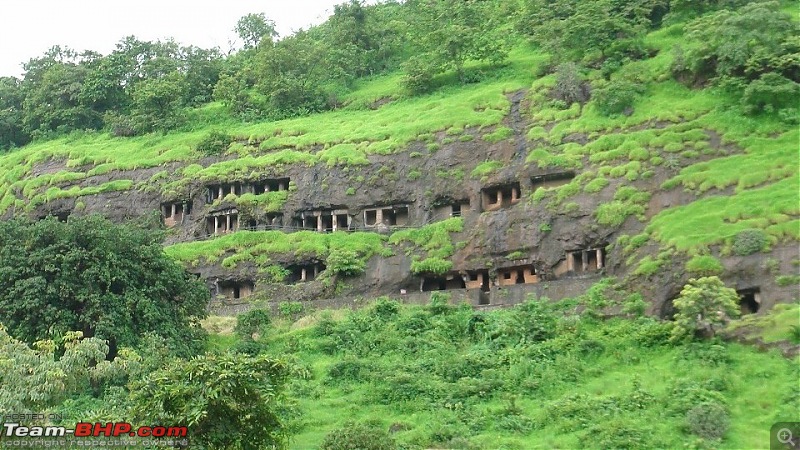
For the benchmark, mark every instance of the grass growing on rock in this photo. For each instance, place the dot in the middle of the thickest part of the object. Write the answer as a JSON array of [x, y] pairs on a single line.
[[434, 241], [260, 247]]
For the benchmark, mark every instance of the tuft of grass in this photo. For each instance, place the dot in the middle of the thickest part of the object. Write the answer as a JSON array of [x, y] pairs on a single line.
[[486, 168]]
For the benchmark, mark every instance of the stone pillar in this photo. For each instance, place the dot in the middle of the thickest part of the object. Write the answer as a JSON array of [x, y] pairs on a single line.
[[174, 209], [216, 224], [585, 260], [499, 196], [303, 274], [514, 194], [334, 221], [220, 192], [316, 270], [378, 216], [319, 222], [570, 262], [599, 259], [227, 222]]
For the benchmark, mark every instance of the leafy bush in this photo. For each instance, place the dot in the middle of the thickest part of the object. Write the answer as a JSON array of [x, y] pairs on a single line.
[[709, 420], [704, 353], [418, 77], [771, 92], [618, 433], [385, 308], [686, 394], [741, 44], [349, 369], [440, 304], [634, 305], [214, 143], [353, 436], [345, 262], [570, 86], [255, 321], [747, 242], [787, 280], [618, 96], [214, 394], [703, 304], [290, 310]]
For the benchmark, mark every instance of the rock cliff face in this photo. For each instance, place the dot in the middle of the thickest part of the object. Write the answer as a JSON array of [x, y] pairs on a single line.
[[517, 230]]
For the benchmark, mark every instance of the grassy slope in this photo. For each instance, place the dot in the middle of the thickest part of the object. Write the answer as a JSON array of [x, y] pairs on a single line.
[[346, 136], [671, 125], [593, 384]]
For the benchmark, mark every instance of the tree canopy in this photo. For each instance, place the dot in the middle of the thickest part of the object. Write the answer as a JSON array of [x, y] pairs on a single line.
[[108, 281]]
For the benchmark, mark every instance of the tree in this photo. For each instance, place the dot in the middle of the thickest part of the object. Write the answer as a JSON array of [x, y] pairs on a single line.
[[572, 29], [291, 74], [34, 379], [744, 44], [365, 39], [703, 304], [108, 281], [253, 28], [156, 103], [12, 133], [451, 32], [52, 86], [227, 401]]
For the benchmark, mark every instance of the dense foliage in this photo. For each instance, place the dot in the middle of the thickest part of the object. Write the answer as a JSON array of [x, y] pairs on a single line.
[[536, 375], [108, 281], [226, 401]]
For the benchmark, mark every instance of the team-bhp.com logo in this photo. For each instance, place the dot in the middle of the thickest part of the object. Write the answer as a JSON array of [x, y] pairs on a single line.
[[86, 429]]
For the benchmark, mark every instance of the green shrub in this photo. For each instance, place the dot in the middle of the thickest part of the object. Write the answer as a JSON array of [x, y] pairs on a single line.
[[349, 369], [704, 303], [634, 305], [290, 310], [570, 86], [618, 433], [617, 96], [486, 168], [747, 242], [214, 143], [352, 436], [419, 73], [345, 262], [385, 308], [709, 420], [252, 322], [440, 304]]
